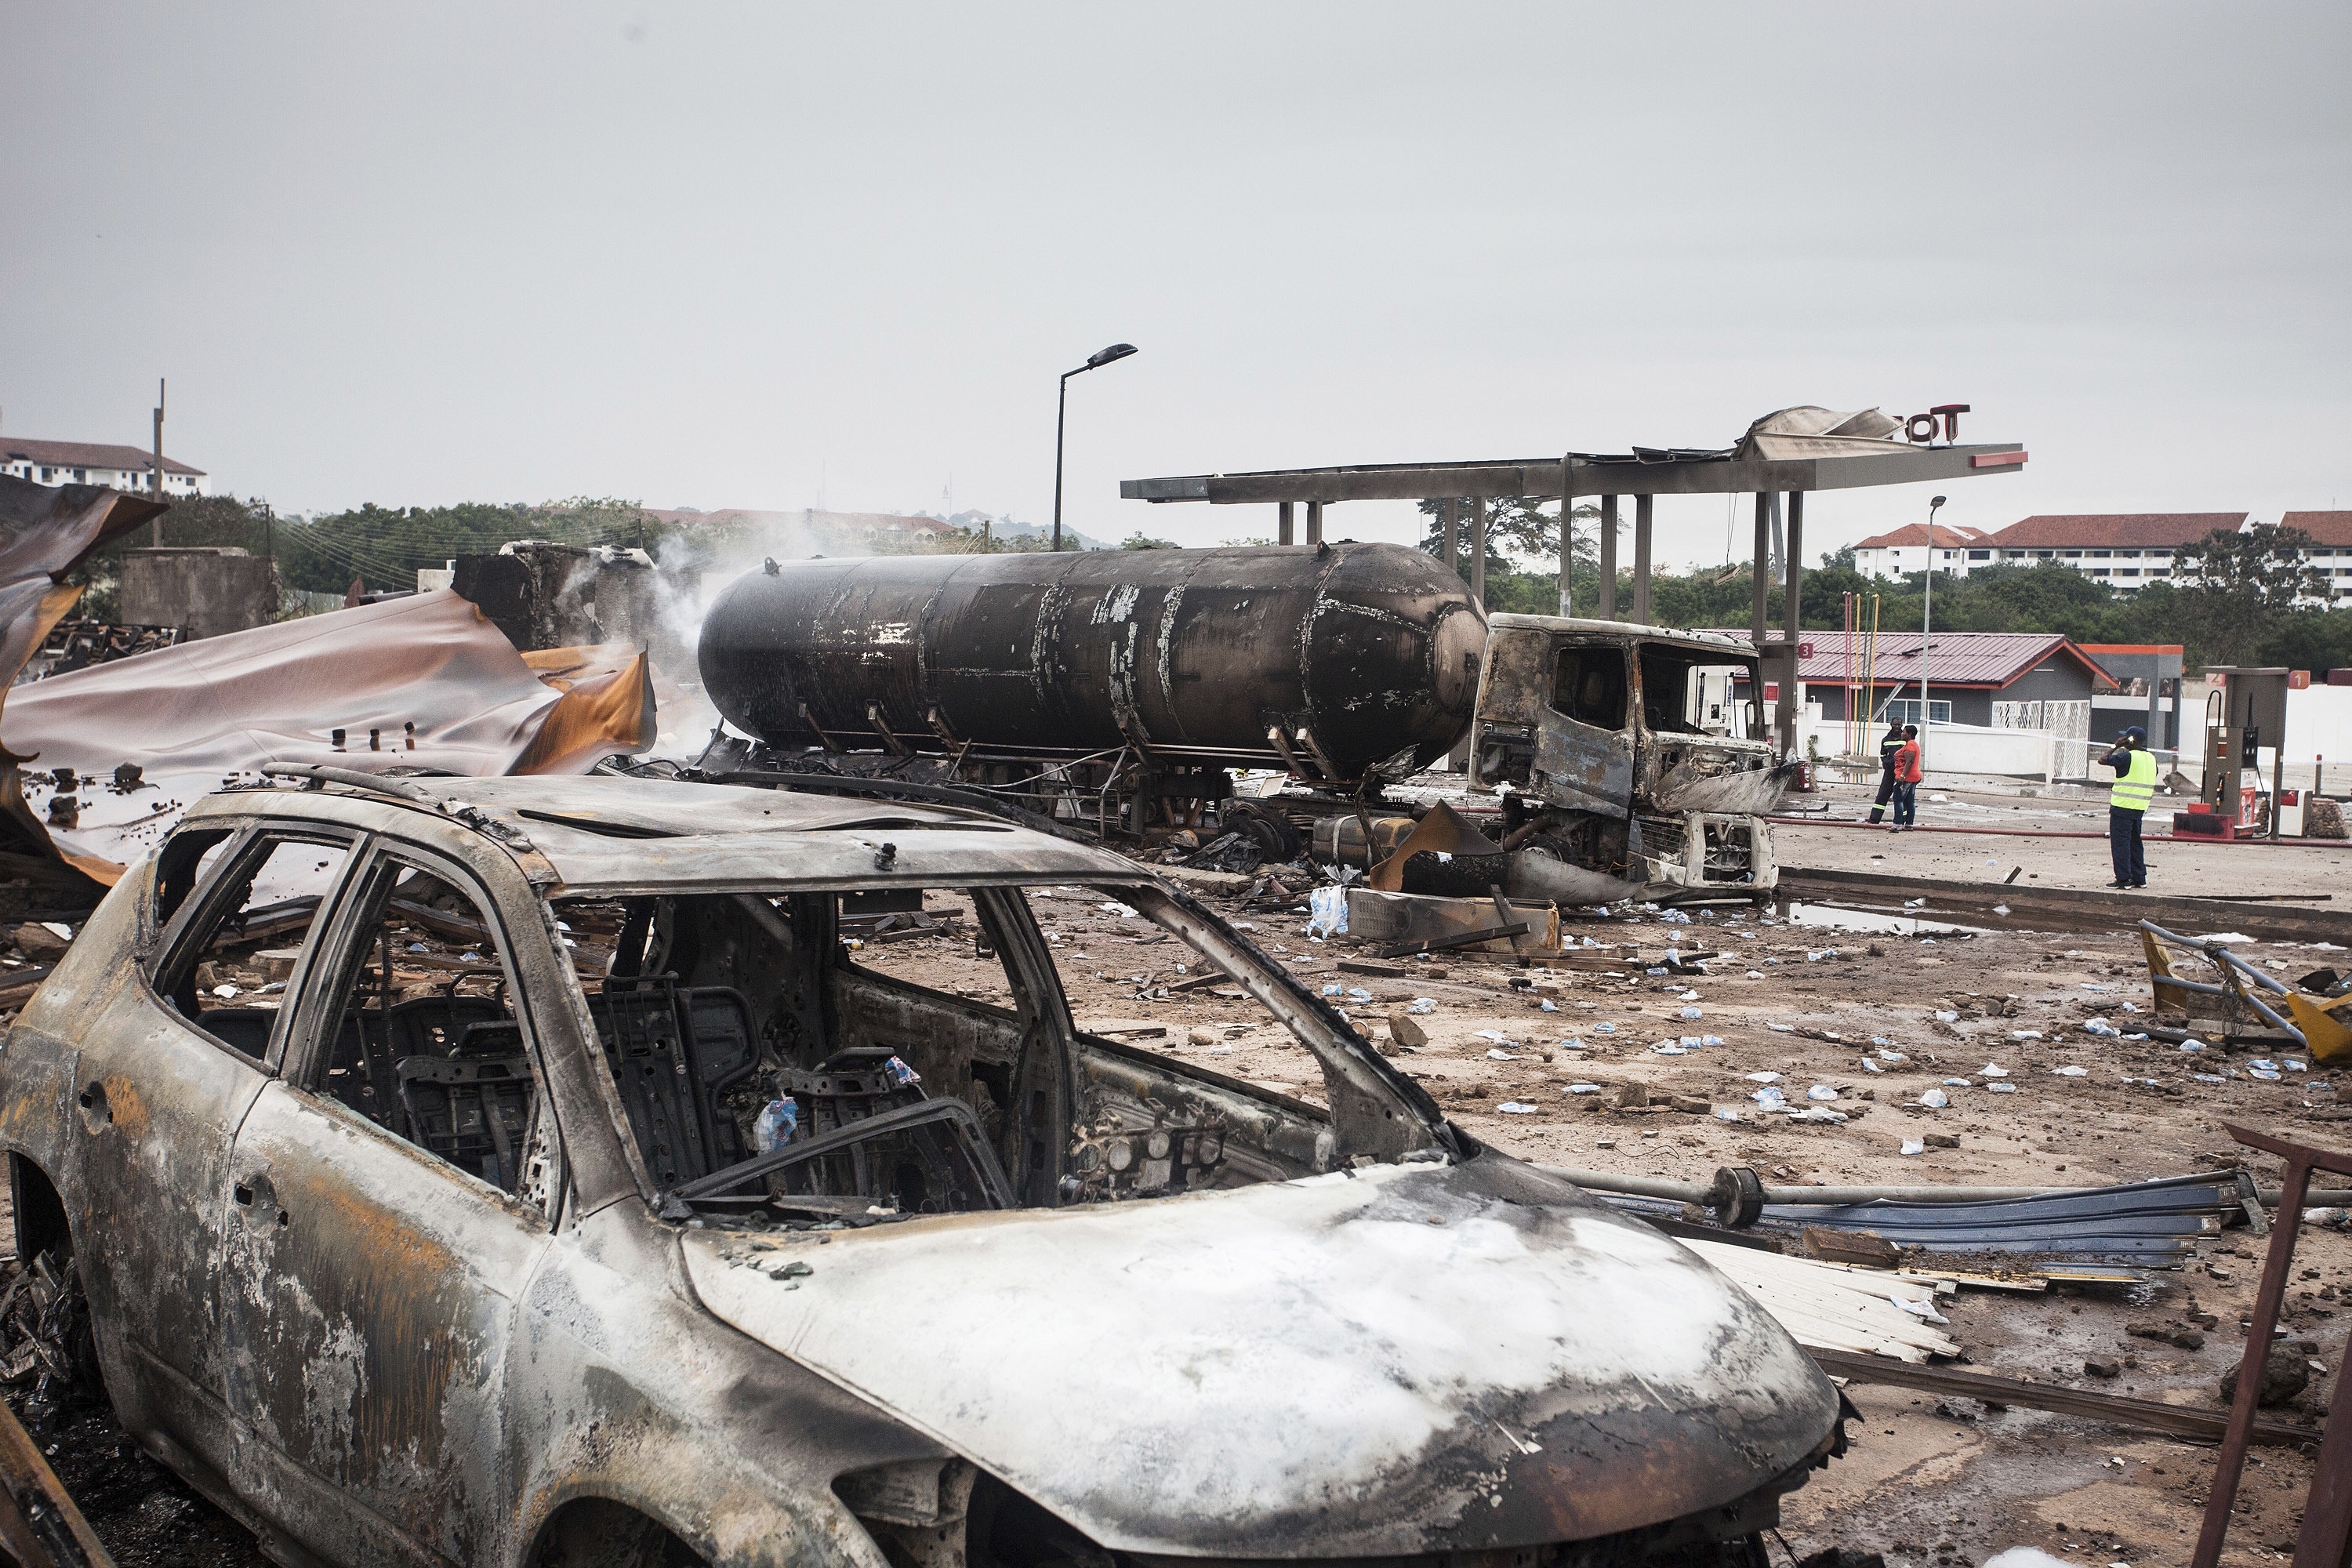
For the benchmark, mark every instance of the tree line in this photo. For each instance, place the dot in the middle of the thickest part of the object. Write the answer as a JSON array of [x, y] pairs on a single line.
[[2234, 600], [2238, 606]]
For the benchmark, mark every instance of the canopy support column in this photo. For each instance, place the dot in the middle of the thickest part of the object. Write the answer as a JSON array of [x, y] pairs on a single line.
[[1478, 552], [1567, 555], [1643, 508], [1608, 610], [1792, 614]]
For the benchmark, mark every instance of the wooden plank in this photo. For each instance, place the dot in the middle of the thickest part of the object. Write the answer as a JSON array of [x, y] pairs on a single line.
[[1123, 1028], [1828, 1307], [1393, 971], [1460, 939], [1867, 1248], [440, 923], [2177, 1420], [1202, 982], [39, 1521]]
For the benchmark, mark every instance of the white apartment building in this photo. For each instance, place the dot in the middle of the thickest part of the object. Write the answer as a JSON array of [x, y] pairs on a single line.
[[93, 463], [1905, 550], [2124, 550], [2331, 551]]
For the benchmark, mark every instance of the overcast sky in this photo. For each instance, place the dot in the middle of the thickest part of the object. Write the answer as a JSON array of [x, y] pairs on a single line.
[[767, 256]]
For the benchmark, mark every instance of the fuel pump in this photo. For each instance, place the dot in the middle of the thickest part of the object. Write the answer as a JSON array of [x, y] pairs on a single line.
[[2247, 714]]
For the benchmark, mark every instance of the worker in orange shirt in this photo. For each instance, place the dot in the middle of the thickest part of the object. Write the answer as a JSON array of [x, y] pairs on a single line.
[[1907, 774]]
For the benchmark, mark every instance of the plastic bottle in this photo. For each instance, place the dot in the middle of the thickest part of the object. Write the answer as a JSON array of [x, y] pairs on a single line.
[[776, 1125]]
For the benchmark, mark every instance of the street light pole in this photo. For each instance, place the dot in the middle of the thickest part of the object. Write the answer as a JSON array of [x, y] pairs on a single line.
[[1060, 416], [1927, 619]]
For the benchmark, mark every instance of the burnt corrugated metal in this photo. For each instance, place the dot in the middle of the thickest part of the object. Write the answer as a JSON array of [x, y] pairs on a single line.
[[1351, 653]]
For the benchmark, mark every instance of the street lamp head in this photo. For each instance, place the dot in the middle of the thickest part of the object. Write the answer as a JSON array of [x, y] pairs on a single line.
[[1935, 501], [1095, 361]]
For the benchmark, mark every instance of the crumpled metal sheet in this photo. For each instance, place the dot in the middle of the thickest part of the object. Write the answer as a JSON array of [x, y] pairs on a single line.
[[1752, 791], [47, 531], [205, 713], [1807, 431], [1442, 832]]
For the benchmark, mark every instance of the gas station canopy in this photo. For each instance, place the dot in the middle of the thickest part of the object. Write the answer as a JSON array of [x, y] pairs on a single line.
[[1792, 451]]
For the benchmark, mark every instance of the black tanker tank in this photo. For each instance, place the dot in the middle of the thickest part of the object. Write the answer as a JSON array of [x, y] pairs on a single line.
[[1329, 659]]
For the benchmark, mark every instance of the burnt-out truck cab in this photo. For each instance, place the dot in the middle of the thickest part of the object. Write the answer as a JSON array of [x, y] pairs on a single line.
[[1637, 753]]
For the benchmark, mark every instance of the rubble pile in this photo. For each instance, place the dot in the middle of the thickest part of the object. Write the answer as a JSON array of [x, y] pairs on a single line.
[[146, 1516]]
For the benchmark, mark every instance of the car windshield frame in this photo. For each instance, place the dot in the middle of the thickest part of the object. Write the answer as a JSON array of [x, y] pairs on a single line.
[[1361, 1086]]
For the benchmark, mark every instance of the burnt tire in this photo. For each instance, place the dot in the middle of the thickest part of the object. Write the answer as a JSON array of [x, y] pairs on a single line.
[[1275, 836], [594, 1533]]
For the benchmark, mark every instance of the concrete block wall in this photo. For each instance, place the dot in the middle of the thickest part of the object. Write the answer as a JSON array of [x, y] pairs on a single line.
[[205, 590]]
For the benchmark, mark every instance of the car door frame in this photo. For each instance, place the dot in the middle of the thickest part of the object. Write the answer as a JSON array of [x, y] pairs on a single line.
[[1580, 764], [418, 1242], [175, 1385]]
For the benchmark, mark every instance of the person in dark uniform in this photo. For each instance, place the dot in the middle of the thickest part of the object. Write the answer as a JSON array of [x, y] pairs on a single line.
[[1909, 769], [1888, 744], [2127, 804]]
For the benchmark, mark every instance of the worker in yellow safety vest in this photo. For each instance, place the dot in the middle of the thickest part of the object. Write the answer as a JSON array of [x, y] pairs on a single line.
[[2127, 804]]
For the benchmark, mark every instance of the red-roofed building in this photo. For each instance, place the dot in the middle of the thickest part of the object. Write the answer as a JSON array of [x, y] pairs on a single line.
[[2124, 550], [1892, 555], [95, 463]]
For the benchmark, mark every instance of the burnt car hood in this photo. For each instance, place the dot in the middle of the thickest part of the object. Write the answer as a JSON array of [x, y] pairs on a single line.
[[1400, 1359]]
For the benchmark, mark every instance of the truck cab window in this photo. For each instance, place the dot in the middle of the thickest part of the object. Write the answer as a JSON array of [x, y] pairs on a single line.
[[1689, 692], [1589, 686]]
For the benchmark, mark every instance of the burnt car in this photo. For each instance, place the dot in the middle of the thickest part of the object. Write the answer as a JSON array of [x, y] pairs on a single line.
[[530, 1172]]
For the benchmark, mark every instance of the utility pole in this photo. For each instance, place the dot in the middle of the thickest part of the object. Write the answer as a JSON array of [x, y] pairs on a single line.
[[156, 529]]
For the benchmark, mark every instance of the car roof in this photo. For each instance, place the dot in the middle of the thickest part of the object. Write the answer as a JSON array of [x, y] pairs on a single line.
[[608, 835]]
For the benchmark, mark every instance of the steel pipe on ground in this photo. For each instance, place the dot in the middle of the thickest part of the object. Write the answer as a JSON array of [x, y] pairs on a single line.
[[1837, 1197]]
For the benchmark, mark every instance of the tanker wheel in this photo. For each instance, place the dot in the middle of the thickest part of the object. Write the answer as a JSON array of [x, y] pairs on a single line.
[[1270, 830]]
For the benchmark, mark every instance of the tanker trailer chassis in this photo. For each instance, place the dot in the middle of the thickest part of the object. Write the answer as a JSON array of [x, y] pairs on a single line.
[[1120, 793]]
